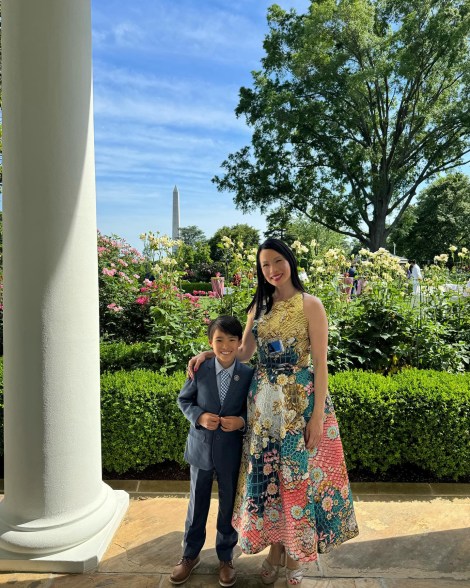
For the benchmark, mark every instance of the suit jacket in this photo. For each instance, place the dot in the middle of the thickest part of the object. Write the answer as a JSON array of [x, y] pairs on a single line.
[[214, 449]]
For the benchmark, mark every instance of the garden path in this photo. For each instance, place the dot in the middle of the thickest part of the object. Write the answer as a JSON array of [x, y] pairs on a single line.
[[411, 536]]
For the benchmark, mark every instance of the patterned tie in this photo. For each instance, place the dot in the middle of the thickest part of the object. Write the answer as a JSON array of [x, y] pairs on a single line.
[[224, 384]]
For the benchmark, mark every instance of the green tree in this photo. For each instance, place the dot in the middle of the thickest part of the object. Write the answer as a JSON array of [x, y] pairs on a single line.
[[304, 230], [192, 235], [399, 238], [277, 223], [196, 261], [442, 218], [240, 232], [358, 103]]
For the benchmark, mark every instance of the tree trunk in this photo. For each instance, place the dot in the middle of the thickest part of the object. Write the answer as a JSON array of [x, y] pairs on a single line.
[[378, 232]]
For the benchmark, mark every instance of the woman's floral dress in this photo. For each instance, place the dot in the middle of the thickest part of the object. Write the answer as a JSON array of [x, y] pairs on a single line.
[[287, 493]]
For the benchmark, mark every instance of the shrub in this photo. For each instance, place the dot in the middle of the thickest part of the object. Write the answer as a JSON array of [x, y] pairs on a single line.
[[415, 417], [128, 356], [190, 287], [141, 422], [120, 275], [433, 420]]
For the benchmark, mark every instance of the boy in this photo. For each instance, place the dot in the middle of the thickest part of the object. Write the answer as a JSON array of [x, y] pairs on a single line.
[[215, 405]]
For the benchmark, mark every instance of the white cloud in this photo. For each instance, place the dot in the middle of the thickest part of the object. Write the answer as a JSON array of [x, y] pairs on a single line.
[[166, 81], [183, 28], [128, 34]]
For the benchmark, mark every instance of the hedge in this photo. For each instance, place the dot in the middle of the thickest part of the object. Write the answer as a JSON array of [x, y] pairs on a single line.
[[141, 422], [128, 356], [415, 417], [190, 287]]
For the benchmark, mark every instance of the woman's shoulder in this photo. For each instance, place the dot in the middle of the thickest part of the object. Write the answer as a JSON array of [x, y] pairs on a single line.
[[312, 302], [313, 307]]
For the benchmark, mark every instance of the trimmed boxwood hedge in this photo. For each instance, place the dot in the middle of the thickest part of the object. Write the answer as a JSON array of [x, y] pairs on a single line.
[[190, 287], [118, 355], [415, 417], [141, 422]]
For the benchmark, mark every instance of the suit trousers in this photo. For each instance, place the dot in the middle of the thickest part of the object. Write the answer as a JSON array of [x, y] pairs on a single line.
[[198, 510]]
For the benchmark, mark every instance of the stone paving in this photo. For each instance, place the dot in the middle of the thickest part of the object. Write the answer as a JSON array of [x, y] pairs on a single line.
[[411, 536]]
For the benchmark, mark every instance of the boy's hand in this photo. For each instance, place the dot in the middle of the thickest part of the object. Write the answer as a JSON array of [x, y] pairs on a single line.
[[208, 420], [231, 423]]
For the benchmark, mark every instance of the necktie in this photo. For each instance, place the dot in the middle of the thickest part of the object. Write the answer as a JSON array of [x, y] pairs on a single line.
[[224, 384]]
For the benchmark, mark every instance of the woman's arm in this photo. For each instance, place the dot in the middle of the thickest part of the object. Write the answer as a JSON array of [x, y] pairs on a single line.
[[248, 344], [245, 351], [318, 335]]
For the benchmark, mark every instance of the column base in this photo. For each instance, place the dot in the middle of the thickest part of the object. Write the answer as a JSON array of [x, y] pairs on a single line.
[[76, 560]]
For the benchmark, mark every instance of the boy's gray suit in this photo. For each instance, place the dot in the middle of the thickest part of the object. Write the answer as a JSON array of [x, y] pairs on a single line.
[[210, 452]]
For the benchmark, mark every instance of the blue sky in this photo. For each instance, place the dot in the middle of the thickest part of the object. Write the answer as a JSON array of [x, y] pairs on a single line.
[[166, 80]]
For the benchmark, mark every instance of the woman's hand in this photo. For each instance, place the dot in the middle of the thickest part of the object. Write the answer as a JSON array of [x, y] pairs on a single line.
[[314, 432], [195, 362]]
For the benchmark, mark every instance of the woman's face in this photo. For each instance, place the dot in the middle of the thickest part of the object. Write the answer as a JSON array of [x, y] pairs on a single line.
[[275, 267]]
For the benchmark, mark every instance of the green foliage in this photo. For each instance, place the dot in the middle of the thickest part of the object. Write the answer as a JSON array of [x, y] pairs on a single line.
[[443, 211], [178, 330], [382, 332], [303, 229], [414, 417], [191, 287], [237, 233], [121, 271], [357, 104], [373, 334], [398, 240], [178, 320], [192, 235], [119, 355], [196, 261], [291, 227], [141, 422]]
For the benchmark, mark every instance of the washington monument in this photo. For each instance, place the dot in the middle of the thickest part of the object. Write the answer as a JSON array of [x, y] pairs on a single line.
[[175, 234]]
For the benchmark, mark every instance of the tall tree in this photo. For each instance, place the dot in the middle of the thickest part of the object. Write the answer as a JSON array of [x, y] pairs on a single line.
[[399, 238], [304, 230], [277, 223], [442, 219], [249, 236], [357, 104], [192, 235]]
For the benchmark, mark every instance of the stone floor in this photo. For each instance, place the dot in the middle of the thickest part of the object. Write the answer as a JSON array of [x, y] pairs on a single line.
[[411, 536]]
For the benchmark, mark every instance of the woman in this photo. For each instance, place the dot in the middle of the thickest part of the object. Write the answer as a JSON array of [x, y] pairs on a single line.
[[293, 491]]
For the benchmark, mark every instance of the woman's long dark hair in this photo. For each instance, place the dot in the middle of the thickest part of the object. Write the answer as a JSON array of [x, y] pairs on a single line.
[[265, 290]]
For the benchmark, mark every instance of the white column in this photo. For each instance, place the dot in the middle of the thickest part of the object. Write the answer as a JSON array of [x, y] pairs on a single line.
[[57, 514]]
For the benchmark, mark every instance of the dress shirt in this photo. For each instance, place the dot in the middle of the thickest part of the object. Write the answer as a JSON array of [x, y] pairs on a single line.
[[218, 369]]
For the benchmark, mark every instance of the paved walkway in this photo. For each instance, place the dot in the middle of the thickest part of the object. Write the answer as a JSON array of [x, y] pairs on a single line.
[[411, 536]]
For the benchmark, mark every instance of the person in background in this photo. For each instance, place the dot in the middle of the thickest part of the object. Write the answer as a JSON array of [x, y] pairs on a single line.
[[416, 277]]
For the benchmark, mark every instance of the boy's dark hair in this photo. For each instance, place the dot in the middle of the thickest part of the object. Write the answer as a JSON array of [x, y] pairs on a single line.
[[227, 324]]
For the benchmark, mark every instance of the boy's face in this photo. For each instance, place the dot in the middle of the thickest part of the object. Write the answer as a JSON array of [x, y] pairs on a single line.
[[225, 347]]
